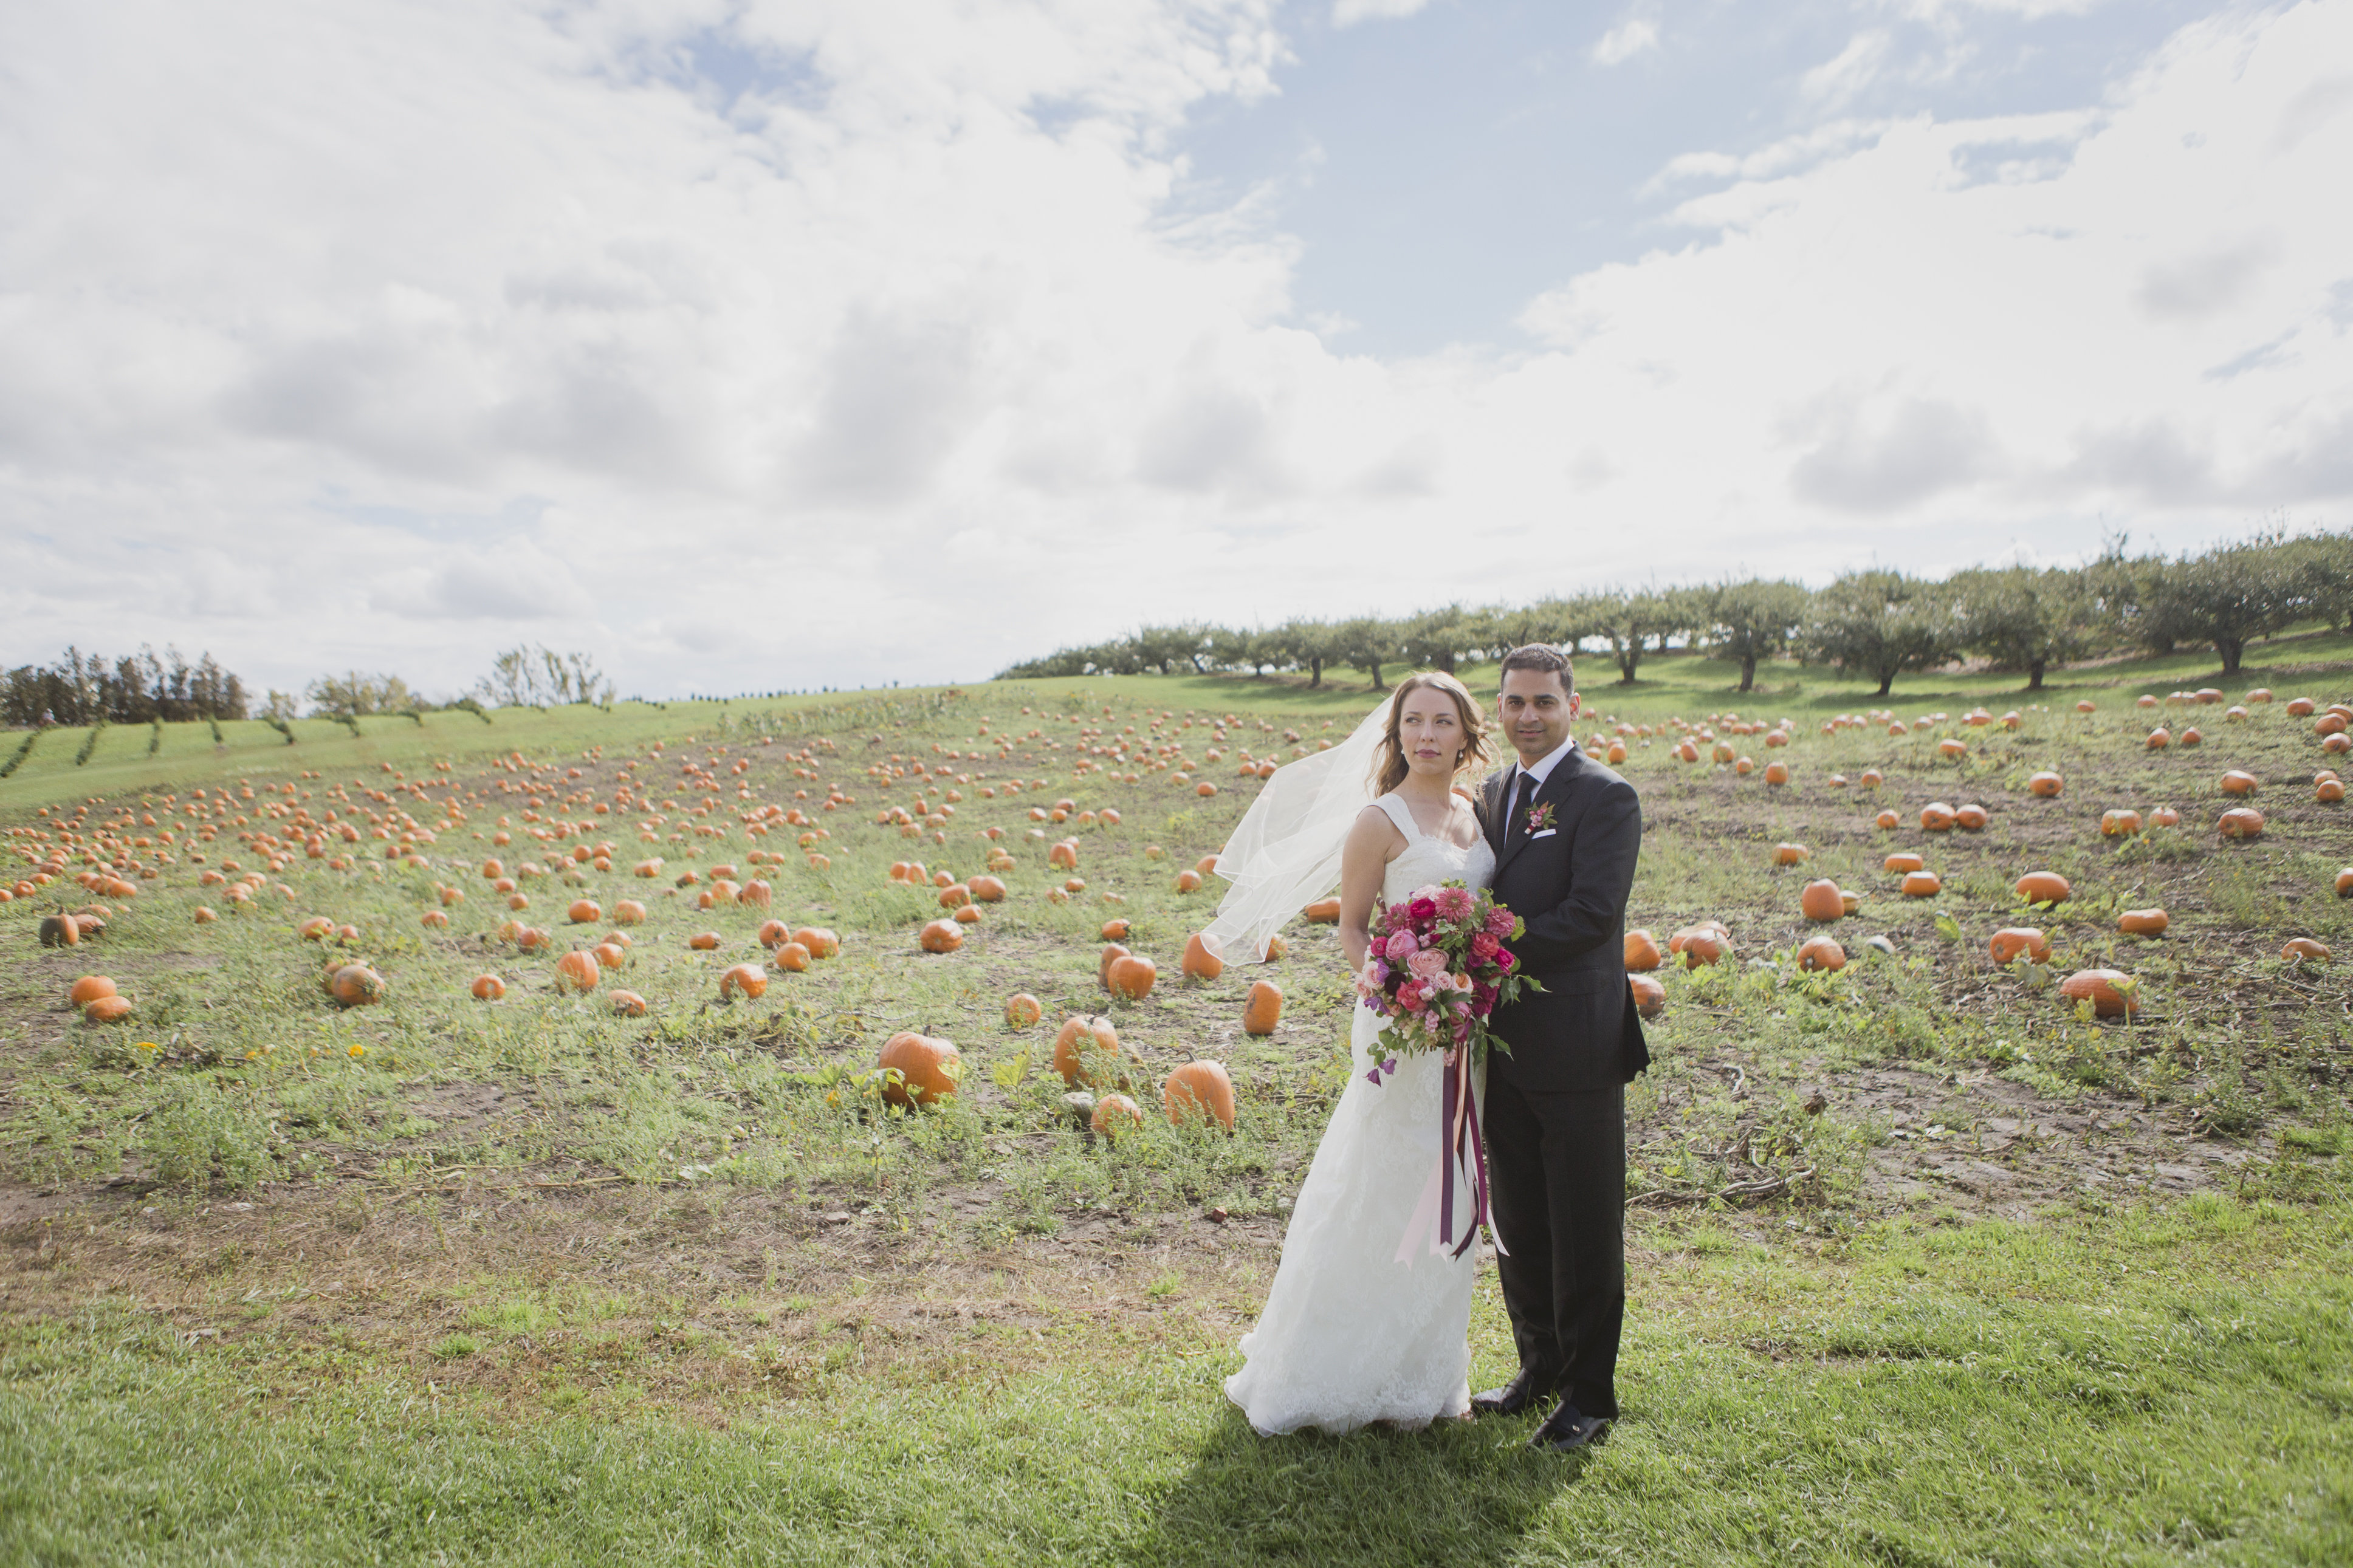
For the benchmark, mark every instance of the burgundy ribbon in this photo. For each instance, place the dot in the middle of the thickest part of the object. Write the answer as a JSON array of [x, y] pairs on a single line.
[[1460, 1141]]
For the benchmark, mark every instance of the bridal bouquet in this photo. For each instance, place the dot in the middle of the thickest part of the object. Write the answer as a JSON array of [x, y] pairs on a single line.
[[1438, 969]]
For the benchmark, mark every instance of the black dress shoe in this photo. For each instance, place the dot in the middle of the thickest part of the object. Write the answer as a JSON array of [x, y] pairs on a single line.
[[1568, 1427], [1520, 1393]]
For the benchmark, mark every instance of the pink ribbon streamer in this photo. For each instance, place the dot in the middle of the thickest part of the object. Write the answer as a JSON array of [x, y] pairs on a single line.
[[1459, 1144]]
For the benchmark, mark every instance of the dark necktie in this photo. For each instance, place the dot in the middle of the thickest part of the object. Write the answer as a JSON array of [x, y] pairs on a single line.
[[1525, 799]]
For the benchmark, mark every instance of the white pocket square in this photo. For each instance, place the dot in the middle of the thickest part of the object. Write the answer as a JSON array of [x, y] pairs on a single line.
[[1547, 833]]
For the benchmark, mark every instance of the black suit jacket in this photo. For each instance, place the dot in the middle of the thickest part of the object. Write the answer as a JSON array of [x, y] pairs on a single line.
[[1581, 1032]]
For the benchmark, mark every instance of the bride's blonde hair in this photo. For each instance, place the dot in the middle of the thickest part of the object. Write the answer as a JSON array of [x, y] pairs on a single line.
[[1390, 766]]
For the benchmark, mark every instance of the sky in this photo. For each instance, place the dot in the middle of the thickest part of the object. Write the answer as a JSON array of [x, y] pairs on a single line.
[[758, 345]]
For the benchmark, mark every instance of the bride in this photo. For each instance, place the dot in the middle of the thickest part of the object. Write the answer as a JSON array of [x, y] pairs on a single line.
[[1365, 1321]]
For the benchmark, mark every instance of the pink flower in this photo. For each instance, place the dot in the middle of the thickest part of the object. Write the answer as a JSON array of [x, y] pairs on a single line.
[[1454, 903], [1505, 961], [1499, 921], [1427, 965], [1485, 946], [1401, 945], [1411, 998], [1423, 911]]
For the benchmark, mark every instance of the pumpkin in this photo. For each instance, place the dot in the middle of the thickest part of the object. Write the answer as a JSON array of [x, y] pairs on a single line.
[[60, 931], [1822, 953], [2164, 816], [2300, 707], [628, 1005], [1922, 884], [2238, 780], [1936, 818], [2304, 950], [318, 927], [1650, 996], [2087, 706], [1188, 881], [2159, 739], [1774, 772], [1642, 952], [2043, 887], [1114, 1114], [356, 986], [1086, 1051], [1821, 901], [1103, 962], [1132, 977], [929, 1068], [987, 890], [2345, 883], [757, 893], [492, 870], [1197, 1089], [1872, 778], [2046, 783], [108, 1010], [531, 938], [1703, 943], [1323, 912], [2191, 736], [2142, 922], [968, 914], [629, 912], [90, 988], [435, 920], [2338, 745], [2012, 942], [1789, 854], [1743, 766], [1115, 930], [1276, 948], [585, 912], [748, 981], [775, 934], [1903, 861], [2329, 723], [518, 901], [1886, 819], [578, 971], [1022, 1010], [940, 936], [2109, 991], [1953, 748], [609, 954], [820, 942], [489, 988], [704, 942], [1201, 961], [2119, 824], [954, 895], [2327, 791], [206, 914], [790, 957], [2240, 822], [1970, 819]]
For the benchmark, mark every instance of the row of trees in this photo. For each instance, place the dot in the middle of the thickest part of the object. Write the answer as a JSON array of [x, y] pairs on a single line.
[[1876, 623], [137, 688]]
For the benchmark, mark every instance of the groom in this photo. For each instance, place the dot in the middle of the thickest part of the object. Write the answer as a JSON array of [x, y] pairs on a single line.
[[1566, 832]]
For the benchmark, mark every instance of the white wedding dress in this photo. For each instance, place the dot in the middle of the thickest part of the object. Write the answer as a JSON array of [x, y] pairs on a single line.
[[1351, 1334]]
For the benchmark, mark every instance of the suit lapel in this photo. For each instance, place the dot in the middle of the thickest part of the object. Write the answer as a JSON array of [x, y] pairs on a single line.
[[1564, 774], [1492, 815]]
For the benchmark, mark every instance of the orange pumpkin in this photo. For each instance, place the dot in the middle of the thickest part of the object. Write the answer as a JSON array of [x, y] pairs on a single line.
[[2012, 942], [1323, 912], [987, 890], [940, 936], [356, 986], [1774, 772], [2238, 780], [704, 942], [790, 957], [2142, 922], [1643, 953], [1886, 819], [1115, 930], [578, 971], [2328, 792], [757, 893], [1022, 1010], [1822, 953], [1200, 961], [1821, 901], [1115, 1114], [1789, 854], [90, 988], [1103, 962], [2304, 950], [108, 1010], [954, 895], [1903, 862], [2159, 739], [820, 942], [2109, 991], [609, 954], [2043, 887], [774, 934], [1188, 881], [929, 1068], [2240, 822], [2191, 736], [628, 1005], [1922, 885], [1705, 943], [1970, 819], [489, 988], [2046, 784], [968, 914], [2344, 883], [628, 912], [1131, 978], [206, 915], [1872, 778], [2119, 824], [585, 912], [2164, 816], [318, 927], [1650, 996], [1198, 1088], [1935, 816], [1086, 1051], [1262, 1009], [748, 981]]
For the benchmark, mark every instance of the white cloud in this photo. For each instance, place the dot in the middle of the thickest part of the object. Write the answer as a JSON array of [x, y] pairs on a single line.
[[1349, 13], [1838, 79], [386, 342], [1632, 35]]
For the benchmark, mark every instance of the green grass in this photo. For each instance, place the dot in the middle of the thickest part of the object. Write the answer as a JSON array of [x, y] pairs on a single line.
[[2166, 1386]]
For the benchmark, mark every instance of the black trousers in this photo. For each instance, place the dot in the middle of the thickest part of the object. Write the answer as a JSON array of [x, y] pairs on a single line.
[[1557, 1177]]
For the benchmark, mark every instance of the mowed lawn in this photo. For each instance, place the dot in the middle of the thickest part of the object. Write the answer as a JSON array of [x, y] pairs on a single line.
[[1928, 1268]]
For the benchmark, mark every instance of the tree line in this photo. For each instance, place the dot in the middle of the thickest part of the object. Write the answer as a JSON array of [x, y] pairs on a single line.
[[137, 688], [1875, 623]]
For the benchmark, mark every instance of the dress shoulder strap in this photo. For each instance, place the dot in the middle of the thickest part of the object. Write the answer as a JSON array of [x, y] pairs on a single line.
[[1402, 815]]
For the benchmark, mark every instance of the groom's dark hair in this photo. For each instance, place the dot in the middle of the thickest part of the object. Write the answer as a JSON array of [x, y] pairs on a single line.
[[1539, 656]]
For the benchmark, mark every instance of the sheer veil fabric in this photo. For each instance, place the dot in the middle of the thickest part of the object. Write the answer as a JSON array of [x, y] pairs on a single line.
[[1286, 853]]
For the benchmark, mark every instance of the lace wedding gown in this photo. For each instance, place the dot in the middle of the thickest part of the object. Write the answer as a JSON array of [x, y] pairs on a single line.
[[1349, 1333]]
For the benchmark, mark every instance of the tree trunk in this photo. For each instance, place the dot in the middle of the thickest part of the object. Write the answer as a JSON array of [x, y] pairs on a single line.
[[1376, 668], [1747, 672], [1444, 661], [1314, 673], [2232, 650], [2034, 674], [1886, 679]]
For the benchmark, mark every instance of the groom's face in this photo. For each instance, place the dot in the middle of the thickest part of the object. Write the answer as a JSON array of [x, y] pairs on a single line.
[[1537, 713]]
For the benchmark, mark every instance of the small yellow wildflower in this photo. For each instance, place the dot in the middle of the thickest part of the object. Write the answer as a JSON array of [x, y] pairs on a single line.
[[358, 1050]]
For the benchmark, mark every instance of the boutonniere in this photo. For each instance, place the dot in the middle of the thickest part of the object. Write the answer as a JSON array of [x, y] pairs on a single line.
[[1540, 818]]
